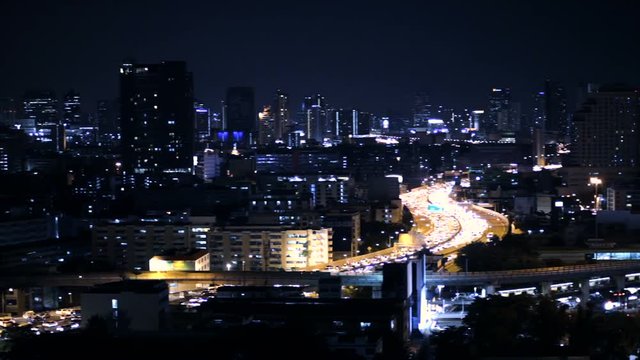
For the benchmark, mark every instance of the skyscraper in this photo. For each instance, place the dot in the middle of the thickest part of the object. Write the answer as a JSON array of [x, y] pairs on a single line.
[[41, 106], [108, 125], [8, 111], [421, 110], [202, 116], [317, 121], [71, 112], [608, 128], [281, 114], [241, 114], [499, 115], [267, 126], [538, 113], [156, 102], [555, 109]]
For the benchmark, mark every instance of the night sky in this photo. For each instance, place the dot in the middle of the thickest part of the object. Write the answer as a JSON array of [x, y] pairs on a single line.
[[370, 54]]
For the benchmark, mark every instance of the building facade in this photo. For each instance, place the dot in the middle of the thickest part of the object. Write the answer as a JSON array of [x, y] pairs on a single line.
[[157, 121], [607, 129]]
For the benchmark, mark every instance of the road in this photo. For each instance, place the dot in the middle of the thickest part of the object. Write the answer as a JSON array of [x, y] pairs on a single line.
[[441, 225]]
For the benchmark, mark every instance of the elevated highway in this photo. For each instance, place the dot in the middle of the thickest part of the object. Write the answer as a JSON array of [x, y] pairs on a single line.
[[547, 274]]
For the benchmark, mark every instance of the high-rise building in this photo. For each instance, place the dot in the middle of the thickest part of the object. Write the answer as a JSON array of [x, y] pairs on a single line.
[[267, 126], [538, 113], [71, 112], [555, 112], [8, 111], [241, 114], [41, 106], [348, 123], [281, 115], [515, 117], [477, 119], [202, 116], [608, 128], [317, 121], [107, 120], [13, 144], [156, 102], [499, 114], [421, 110]]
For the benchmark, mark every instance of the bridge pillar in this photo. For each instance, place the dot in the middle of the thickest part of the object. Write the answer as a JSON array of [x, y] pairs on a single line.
[[619, 281], [584, 292], [489, 289], [545, 288], [376, 292]]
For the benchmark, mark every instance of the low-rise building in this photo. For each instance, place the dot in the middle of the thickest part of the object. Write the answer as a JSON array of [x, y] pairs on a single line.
[[135, 305], [129, 244], [195, 260]]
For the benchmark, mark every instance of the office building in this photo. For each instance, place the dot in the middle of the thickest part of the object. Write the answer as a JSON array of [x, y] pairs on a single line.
[[41, 106], [607, 128], [71, 112], [240, 115], [157, 117]]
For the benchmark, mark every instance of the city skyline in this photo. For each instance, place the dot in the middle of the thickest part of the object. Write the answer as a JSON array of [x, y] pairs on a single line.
[[320, 179], [370, 57]]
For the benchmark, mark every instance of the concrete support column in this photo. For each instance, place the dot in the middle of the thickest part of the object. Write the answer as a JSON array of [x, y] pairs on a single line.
[[376, 292], [545, 288], [584, 292], [489, 289], [619, 281]]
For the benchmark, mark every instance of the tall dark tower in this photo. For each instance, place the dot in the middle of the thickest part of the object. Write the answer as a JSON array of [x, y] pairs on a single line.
[[107, 119], [555, 109], [281, 114], [156, 102], [241, 114], [421, 110], [500, 113]]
